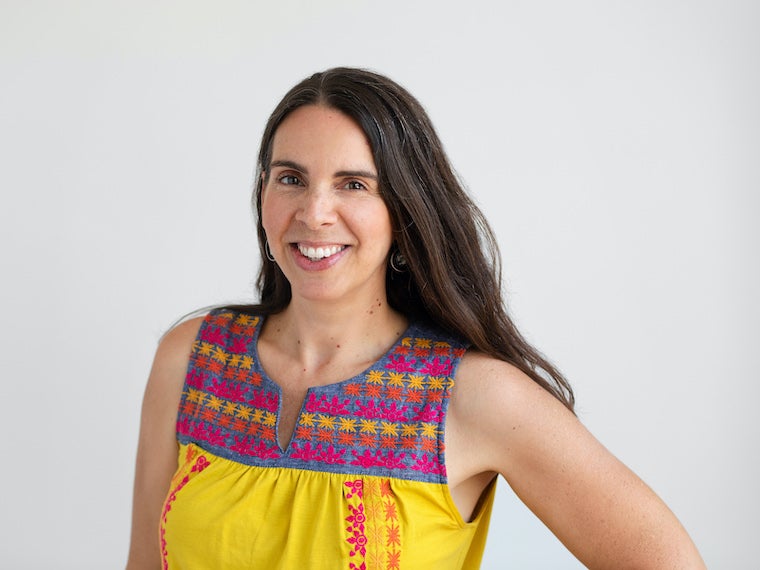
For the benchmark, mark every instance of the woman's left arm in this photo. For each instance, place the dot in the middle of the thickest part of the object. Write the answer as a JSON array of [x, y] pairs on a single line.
[[600, 510]]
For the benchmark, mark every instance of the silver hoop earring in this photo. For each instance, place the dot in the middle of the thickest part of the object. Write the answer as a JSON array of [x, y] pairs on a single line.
[[268, 251], [397, 262]]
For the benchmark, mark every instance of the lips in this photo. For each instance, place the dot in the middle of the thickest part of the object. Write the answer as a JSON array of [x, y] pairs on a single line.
[[321, 252]]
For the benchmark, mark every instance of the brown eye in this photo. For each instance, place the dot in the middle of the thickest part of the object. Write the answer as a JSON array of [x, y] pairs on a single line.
[[355, 185], [289, 180]]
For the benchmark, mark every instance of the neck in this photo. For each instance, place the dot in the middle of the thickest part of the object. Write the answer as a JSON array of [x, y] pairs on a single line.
[[316, 335]]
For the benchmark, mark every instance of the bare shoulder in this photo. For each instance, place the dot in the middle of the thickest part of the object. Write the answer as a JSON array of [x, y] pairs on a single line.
[[167, 375], [510, 421], [176, 344], [173, 353], [496, 394], [592, 502]]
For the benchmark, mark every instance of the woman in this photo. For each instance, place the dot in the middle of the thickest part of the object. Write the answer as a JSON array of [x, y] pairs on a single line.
[[312, 426]]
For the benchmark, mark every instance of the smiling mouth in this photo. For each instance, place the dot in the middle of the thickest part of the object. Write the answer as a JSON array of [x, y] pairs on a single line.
[[317, 253]]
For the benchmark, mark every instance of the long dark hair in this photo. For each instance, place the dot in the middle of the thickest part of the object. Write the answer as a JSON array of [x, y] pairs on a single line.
[[453, 267]]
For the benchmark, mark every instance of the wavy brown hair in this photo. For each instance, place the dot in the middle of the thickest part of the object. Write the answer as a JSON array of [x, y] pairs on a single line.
[[453, 276]]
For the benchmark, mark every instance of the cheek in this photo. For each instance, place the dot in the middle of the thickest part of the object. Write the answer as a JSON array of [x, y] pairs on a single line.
[[271, 214], [373, 221], [382, 225]]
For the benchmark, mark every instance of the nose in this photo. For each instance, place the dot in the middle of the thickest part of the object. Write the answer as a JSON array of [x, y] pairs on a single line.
[[317, 207]]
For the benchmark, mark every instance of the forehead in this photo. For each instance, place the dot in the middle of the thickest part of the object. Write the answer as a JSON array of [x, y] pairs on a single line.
[[322, 133]]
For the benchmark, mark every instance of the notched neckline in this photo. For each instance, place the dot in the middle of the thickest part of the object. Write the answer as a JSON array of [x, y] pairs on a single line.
[[330, 387]]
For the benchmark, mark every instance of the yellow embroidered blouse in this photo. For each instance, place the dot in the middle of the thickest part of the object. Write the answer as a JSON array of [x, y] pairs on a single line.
[[361, 485]]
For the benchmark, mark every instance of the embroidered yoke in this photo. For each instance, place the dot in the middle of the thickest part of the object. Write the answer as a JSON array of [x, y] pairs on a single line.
[[361, 485]]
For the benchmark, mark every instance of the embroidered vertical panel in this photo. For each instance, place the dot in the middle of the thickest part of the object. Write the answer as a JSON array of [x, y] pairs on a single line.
[[373, 530], [194, 463]]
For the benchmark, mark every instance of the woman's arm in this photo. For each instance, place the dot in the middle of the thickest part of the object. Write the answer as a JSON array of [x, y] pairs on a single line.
[[157, 448], [600, 510]]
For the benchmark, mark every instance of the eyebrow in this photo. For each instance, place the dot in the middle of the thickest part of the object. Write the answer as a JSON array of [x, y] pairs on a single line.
[[295, 166], [288, 164]]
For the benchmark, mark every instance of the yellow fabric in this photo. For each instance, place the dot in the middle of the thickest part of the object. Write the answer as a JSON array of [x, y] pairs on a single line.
[[224, 515]]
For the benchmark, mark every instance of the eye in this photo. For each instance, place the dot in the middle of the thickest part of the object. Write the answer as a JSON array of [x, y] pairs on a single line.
[[354, 185], [289, 180]]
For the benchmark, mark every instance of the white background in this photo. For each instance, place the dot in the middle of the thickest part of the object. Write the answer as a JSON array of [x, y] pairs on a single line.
[[615, 147]]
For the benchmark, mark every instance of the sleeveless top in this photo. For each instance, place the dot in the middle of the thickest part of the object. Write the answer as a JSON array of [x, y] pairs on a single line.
[[361, 485]]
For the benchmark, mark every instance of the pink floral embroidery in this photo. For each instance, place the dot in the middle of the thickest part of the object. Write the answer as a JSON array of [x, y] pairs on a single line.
[[355, 488], [240, 345], [214, 335], [392, 413], [265, 400], [325, 405], [249, 446], [318, 453], [200, 432], [437, 368], [428, 413], [371, 410], [358, 539], [355, 530], [200, 464], [228, 390], [368, 459], [400, 364], [196, 378], [429, 464]]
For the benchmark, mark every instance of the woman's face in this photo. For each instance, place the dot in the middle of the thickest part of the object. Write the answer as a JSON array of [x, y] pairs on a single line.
[[325, 220]]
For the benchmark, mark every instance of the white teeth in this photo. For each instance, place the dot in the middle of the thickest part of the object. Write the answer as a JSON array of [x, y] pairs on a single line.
[[315, 254]]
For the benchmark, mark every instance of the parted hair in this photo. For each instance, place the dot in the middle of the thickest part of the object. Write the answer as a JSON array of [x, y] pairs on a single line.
[[452, 276]]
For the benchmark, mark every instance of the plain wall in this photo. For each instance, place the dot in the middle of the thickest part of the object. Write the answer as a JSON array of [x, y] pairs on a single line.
[[615, 147]]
